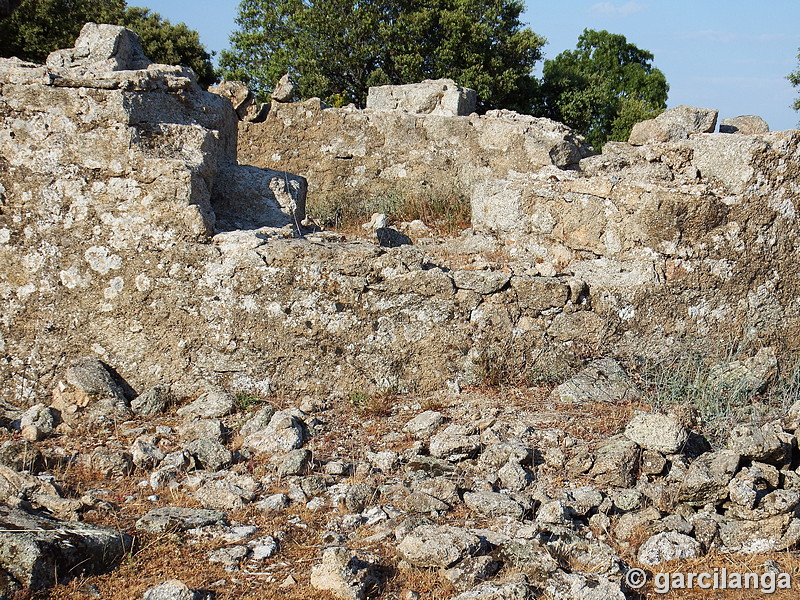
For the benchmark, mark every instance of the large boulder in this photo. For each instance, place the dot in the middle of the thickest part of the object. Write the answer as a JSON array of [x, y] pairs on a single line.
[[431, 97], [744, 125], [674, 124], [35, 550]]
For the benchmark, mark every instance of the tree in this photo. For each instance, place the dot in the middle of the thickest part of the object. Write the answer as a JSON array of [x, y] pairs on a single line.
[[794, 78], [336, 49], [602, 88], [38, 27], [170, 44]]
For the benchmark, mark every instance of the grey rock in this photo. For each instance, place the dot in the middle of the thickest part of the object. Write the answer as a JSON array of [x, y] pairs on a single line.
[[661, 433], [102, 48], [744, 125], [471, 571], [424, 503], [37, 422], [455, 442], [667, 546], [284, 89], [431, 97], [632, 524], [145, 454], [493, 504], [273, 503], [342, 574], [283, 434], [260, 420], [196, 429], [514, 476], [629, 499], [777, 502], [437, 546], [652, 462], [707, 479], [482, 282], [295, 462], [90, 394], [210, 454], [171, 590], [602, 381], [582, 500], [616, 463], [497, 591], [229, 557], [242, 99], [34, 549], [674, 124], [230, 493], [767, 443], [176, 519], [210, 405], [553, 511], [386, 460], [425, 424], [153, 402]]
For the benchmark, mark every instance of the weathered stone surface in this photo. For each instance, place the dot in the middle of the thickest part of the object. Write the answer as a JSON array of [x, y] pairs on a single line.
[[602, 381], [242, 99], [766, 443], [497, 591], [437, 546], [342, 574], [170, 590], [471, 571], [662, 433], [210, 454], [616, 463], [744, 125], [209, 405], [674, 124], [707, 479], [101, 48], [34, 549], [431, 97], [668, 546], [284, 89], [153, 401], [284, 433], [493, 504]]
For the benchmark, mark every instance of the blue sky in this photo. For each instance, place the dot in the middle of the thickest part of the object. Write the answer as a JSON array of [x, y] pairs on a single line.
[[733, 56]]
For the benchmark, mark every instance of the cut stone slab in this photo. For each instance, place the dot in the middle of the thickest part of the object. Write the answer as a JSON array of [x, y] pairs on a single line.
[[33, 548], [175, 518]]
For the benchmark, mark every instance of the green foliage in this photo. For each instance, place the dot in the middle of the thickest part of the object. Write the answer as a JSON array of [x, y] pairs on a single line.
[[170, 44], [38, 27], [337, 49], [602, 88], [245, 402], [794, 78]]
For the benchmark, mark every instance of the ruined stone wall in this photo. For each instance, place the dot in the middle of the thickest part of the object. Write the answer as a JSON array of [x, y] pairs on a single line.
[[346, 151]]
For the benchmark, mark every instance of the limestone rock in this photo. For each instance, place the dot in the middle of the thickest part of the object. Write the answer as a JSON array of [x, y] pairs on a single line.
[[616, 463], [707, 479], [102, 48], [33, 549], [748, 376], [153, 401], [242, 99], [174, 518], [210, 405], [493, 504], [342, 574], [661, 433], [602, 381], [668, 546], [170, 590], [437, 546], [90, 394], [767, 443], [471, 571], [284, 89], [674, 124], [433, 97], [283, 434], [455, 442], [497, 591], [744, 125], [210, 454]]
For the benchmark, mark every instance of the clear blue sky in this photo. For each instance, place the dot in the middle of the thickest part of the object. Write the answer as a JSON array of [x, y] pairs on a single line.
[[733, 55]]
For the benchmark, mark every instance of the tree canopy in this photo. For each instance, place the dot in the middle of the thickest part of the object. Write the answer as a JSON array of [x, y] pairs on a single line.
[[794, 78], [336, 49], [603, 87], [38, 27]]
